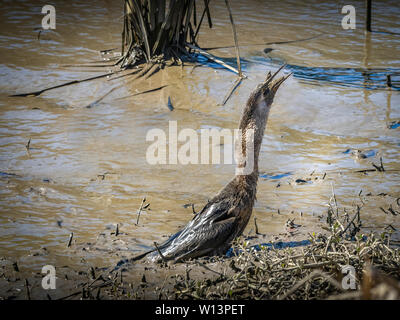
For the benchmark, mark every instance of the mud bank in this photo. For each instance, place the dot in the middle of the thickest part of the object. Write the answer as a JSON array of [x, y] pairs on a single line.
[[302, 262]]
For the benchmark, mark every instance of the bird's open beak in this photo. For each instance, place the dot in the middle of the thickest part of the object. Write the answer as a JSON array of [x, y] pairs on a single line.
[[274, 86], [278, 82]]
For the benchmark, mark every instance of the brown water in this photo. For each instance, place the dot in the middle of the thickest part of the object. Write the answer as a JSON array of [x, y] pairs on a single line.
[[86, 169]]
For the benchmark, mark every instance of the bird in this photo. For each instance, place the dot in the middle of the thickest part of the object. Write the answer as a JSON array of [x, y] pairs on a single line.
[[224, 218]]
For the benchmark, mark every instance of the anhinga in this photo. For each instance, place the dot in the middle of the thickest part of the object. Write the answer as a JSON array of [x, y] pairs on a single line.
[[225, 216]]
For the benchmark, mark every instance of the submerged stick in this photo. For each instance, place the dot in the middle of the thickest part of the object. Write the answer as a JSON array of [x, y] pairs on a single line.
[[70, 239], [230, 92], [102, 97], [215, 59], [39, 92], [140, 210], [143, 92]]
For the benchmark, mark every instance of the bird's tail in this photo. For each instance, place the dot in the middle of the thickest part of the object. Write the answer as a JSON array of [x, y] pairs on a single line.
[[136, 258], [157, 248]]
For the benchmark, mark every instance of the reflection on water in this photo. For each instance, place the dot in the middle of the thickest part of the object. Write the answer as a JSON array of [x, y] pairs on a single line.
[[370, 79], [366, 78], [86, 168]]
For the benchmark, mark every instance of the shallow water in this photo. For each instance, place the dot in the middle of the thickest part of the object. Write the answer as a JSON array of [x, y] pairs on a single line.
[[86, 168]]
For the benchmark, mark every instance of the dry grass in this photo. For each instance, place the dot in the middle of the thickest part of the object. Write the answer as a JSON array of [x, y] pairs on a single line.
[[314, 271]]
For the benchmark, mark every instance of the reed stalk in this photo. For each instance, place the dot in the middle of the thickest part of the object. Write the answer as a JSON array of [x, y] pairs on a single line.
[[153, 29]]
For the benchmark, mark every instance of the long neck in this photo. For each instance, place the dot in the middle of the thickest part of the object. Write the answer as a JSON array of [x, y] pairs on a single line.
[[254, 118]]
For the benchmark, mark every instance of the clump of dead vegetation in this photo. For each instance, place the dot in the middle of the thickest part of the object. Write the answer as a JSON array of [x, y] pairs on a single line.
[[152, 31], [312, 272], [321, 270], [341, 263]]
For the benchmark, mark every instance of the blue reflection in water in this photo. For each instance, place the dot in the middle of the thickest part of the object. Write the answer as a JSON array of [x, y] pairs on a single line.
[[371, 79], [276, 176]]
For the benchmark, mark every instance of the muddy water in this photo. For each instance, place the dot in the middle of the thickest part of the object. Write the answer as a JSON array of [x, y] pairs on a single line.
[[86, 168]]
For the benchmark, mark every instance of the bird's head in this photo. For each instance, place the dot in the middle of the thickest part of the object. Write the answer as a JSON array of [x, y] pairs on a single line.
[[266, 90], [260, 100]]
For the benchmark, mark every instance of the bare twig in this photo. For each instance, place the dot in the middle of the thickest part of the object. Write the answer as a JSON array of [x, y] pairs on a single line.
[[140, 210], [70, 239], [309, 277], [28, 293], [39, 92], [256, 226], [28, 144], [91, 105], [233, 88], [143, 92], [160, 253], [213, 58]]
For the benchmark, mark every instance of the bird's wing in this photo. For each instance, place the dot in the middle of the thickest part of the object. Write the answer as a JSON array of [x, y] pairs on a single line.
[[202, 236], [210, 238]]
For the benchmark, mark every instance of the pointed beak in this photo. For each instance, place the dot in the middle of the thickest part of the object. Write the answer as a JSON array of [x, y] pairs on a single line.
[[271, 77], [278, 82], [274, 86]]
